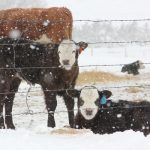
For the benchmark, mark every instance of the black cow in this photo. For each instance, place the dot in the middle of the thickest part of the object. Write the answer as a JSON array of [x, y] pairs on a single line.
[[53, 66], [133, 68], [103, 116]]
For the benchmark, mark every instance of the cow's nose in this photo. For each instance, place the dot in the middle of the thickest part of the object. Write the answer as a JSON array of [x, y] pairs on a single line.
[[88, 111], [66, 62]]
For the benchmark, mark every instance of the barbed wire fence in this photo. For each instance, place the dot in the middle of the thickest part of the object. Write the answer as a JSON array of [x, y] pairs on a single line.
[[112, 20], [31, 112]]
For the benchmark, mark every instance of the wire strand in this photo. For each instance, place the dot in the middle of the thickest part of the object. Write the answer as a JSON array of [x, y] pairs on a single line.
[[112, 20], [77, 20]]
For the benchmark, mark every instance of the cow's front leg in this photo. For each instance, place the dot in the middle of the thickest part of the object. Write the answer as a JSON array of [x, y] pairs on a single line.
[[69, 102], [51, 103], [1, 115], [9, 98], [4, 88]]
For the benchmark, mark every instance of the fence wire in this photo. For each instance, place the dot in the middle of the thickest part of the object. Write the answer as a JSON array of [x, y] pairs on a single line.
[[90, 43], [67, 89], [112, 20], [76, 20], [30, 112], [59, 67]]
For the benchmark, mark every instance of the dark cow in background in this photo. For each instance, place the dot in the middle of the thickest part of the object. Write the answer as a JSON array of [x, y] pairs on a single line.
[[104, 116], [40, 24], [133, 68], [53, 66]]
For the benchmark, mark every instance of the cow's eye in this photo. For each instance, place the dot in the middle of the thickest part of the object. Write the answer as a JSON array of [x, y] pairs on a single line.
[[73, 51], [58, 52], [97, 102], [81, 102]]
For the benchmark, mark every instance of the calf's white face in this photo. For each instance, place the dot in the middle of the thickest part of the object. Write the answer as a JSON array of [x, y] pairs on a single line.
[[67, 54], [87, 103]]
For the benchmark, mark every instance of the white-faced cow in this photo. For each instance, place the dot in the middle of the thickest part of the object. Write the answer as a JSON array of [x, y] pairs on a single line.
[[104, 116], [40, 24], [53, 66]]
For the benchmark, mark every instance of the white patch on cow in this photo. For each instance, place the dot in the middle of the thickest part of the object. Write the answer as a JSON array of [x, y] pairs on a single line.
[[14, 34], [67, 53], [89, 96], [141, 65], [44, 39]]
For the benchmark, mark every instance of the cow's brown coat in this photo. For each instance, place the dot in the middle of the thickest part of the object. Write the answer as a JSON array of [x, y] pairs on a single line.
[[32, 23]]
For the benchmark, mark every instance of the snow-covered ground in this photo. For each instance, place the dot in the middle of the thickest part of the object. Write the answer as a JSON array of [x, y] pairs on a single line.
[[31, 131], [114, 56]]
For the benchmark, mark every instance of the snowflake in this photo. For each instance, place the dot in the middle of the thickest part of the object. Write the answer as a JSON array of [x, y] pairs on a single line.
[[45, 23], [32, 47], [15, 34], [119, 115], [2, 81]]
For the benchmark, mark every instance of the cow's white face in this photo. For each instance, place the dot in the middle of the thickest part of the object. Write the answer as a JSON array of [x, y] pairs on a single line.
[[88, 103], [67, 52]]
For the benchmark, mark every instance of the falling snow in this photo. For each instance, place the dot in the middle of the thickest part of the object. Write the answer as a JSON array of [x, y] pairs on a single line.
[[31, 131], [15, 34], [32, 46], [46, 23]]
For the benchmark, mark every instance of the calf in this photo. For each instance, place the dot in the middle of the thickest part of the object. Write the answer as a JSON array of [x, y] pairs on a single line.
[[53, 66], [133, 68], [103, 116]]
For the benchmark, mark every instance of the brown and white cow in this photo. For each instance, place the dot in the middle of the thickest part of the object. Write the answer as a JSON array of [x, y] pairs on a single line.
[[44, 25]]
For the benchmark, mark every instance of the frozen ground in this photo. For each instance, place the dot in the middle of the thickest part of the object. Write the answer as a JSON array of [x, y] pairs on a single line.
[[31, 131]]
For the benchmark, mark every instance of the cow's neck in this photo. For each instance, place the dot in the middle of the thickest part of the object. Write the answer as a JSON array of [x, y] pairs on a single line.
[[69, 76]]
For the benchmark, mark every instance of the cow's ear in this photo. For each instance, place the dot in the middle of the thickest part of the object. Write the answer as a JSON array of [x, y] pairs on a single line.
[[82, 46], [74, 93], [106, 93]]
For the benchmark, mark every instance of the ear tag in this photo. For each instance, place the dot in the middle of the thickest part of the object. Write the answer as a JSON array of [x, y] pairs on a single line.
[[81, 50], [103, 100]]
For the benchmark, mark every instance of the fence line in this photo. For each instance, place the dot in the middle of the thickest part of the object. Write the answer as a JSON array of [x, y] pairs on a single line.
[[112, 20], [100, 42], [92, 43], [31, 112], [63, 90], [80, 66], [78, 20], [119, 42]]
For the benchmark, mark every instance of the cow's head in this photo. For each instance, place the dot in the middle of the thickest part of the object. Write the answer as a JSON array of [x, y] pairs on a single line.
[[89, 100], [68, 52]]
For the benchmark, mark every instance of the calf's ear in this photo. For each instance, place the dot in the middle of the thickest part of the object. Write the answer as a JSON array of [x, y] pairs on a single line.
[[82, 46], [106, 93]]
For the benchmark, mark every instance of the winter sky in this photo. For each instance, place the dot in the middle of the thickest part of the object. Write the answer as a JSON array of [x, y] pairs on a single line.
[[91, 9]]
